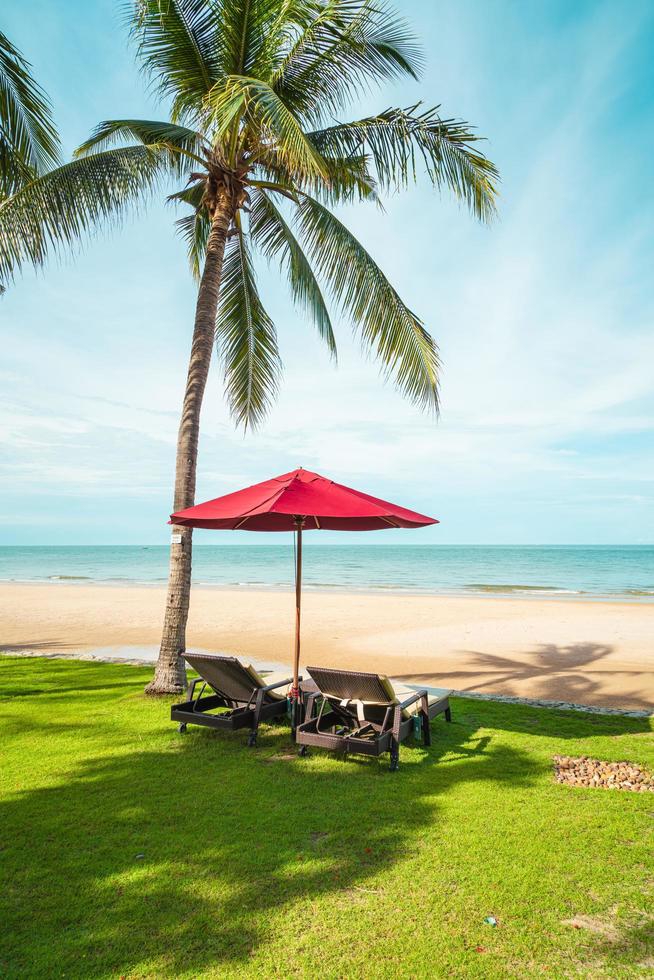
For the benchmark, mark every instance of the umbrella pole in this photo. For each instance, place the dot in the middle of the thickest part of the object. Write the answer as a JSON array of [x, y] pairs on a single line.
[[295, 692]]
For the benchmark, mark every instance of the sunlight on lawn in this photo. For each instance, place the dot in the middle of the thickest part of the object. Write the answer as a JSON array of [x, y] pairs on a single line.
[[130, 850]]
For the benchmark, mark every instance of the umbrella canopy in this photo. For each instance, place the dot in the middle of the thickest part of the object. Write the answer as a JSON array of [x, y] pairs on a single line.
[[299, 501], [275, 505]]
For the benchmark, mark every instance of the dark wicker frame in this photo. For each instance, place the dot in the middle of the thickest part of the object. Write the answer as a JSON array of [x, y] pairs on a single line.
[[247, 704], [335, 726]]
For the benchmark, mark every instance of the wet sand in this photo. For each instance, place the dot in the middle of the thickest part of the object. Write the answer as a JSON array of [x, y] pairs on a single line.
[[596, 653]]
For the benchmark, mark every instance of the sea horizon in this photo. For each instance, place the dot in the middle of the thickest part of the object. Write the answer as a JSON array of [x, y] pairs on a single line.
[[593, 572]]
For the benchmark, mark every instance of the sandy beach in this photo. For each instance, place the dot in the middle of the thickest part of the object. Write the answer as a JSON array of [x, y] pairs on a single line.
[[597, 653]]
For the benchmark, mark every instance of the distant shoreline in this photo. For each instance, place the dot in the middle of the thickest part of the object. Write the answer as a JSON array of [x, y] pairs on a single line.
[[518, 592]]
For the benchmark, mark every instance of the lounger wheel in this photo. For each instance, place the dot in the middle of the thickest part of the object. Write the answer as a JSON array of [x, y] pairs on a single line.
[[181, 728], [252, 739], [303, 751], [395, 760]]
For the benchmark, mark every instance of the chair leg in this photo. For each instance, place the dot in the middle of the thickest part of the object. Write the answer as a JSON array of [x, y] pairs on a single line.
[[424, 718], [395, 756], [258, 705], [426, 730], [448, 714]]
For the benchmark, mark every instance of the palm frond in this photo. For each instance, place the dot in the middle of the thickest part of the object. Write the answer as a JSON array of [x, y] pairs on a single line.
[[387, 328], [178, 45], [272, 235], [266, 119], [63, 206], [246, 338], [344, 47], [252, 34], [194, 228], [29, 144], [349, 180], [278, 186], [184, 144], [348, 177], [398, 140]]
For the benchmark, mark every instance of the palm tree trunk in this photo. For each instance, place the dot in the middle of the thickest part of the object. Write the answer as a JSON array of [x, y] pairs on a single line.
[[170, 671]]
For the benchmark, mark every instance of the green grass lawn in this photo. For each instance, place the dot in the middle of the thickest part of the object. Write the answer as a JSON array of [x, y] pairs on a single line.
[[129, 850]]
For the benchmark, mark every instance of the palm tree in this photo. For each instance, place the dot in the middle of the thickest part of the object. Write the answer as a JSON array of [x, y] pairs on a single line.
[[29, 144], [255, 88]]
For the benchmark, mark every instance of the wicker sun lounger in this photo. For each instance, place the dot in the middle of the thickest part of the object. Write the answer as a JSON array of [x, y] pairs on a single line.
[[364, 713], [247, 697]]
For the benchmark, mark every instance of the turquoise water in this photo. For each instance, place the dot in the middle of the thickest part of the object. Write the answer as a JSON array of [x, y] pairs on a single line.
[[624, 571]]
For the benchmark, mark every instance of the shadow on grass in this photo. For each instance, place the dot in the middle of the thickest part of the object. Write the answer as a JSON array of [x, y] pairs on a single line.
[[633, 949], [148, 851], [63, 678], [553, 723]]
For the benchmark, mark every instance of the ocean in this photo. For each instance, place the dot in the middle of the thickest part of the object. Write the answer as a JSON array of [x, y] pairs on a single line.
[[599, 571]]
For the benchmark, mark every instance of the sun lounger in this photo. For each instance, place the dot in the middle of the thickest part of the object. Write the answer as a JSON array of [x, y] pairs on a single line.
[[365, 713], [247, 697]]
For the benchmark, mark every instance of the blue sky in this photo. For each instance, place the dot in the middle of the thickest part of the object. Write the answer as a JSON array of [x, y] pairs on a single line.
[[545, 320]]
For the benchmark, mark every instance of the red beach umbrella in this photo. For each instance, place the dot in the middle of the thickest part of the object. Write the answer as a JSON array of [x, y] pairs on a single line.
[[299, 501]]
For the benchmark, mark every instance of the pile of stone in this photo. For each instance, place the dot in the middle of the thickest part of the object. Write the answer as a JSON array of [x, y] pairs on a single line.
[[605, 775]]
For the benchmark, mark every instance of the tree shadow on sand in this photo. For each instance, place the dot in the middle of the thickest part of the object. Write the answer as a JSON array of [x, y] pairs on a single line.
[[39, 647], [554, 673], [205, 841]]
